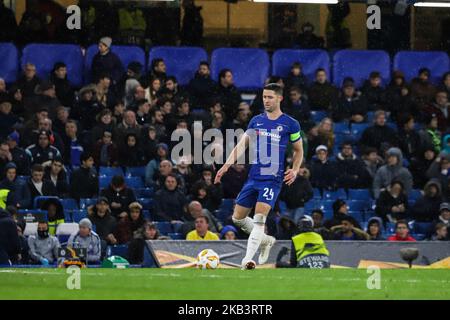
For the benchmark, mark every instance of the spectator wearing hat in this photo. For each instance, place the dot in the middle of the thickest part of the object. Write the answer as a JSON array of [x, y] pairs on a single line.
[[422, 90], [169, 201], [228, 233], [201, 231], [105, 224], [392, 205], [408, 138], [55, 214], [350, 170], [87, 107], [106, 62], [426, 208], [19, 156], [19, 194], [375, 229], [340, 211], [106, 153], [130, 224], [162, 153], [401, 232], [37, 185], [28, 82], [347, 231], [323, 170], [63, 87], [374, 93], [43, 246], [350, 106], [392, 170], [84, 180], [430, 135], [56, 174], [379, 133], [7, 119], [440, 107], [444, 215], [87, 238], [119, 196], [42, 151], [322, 94]]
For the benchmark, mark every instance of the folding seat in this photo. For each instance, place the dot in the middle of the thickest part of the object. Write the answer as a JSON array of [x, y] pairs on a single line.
[[175, 236], [64, 231], [358, 205], [341, 127], [78, 215], [164, 227], [250, 66], [110, 171], [135, 171], [44, 56], [146, 203], [334, 195], [134, 182], [425, 228], [144, 192], [317, 194], [69, 204], [317, 116], [311, 60], [227, 205], [86, 202], [39, 200], [9, 63], [120, 250], [409, 62], [358, 64], [357, 129], [181, 62], [359, 194], [414, 194], [104, 181]]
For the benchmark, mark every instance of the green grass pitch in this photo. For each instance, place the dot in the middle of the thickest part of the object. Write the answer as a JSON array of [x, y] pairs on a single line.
[[192, 284]]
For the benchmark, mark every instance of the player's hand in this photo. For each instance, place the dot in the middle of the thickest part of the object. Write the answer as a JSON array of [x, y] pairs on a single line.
[[220, 174], [289, 176]]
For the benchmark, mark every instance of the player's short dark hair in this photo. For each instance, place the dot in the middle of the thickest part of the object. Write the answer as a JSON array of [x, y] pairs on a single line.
[[274, 87]]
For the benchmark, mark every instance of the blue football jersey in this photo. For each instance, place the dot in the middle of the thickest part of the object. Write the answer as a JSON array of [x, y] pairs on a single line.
[[268, 142]]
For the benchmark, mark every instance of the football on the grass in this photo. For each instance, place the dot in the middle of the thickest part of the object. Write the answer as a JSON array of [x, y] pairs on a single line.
[[207, 259]]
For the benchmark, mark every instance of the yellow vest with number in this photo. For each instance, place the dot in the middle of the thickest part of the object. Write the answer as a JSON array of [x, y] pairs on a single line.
[[309, 243]]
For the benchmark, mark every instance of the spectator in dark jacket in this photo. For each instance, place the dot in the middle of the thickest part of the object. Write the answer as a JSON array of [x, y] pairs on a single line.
[[398, 97], [439, 107], [230, 97], [374, 229], [297, 194], [408, 138], [298, 107], [130, 224], [350, 170], [84, 180], [19, 192], [9, 239], [105, 152], [234, 180], [136, 247], [169, 202], [130, 153], [374, 93], [322, 94], [392, 205], [296, 77], [379, 133], [45, 97], [37, 185], [422, 90], [8, 120], [106, 62], [28, 82], [43, 151], [87, 107], [287, 228], [444, 216], [426, 208], [56, 174], [202, 88], [105, 224], [323, 170], [350, 106], [63, 88], [119, 197], [420, 164], [19, 156], [340, 211]]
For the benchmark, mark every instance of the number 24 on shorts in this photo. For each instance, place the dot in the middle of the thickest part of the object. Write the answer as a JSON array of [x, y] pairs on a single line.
[[268, 194]]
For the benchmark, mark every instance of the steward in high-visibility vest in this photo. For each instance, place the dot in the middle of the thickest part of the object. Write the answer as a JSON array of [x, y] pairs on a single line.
[[4, 198], [308, 248]]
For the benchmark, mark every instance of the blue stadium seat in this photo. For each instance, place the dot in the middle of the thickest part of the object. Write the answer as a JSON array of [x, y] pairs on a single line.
[[359, 194], [147, 215], [358, 64], [311, 205], [104, 181], [357, 129], [77, 215], [358, 216], [63, 238], [317, 194], [222, 215], [227, 205], [118, 250], [39, 200], [317, 116], [409, 62], [325, 205], [164, 227], [135, 171], [333, 195], [181, 62], [126, 54], [146, 203], [44, 56], [68, 216], [282, 206], [311, 60], [144, 192], [390, 227], [9, 63], [110, 171], [69, 204], [134, 182], [23, 179], [419, 236], [86, 202], [250, 67], [414, 194], [176, 236], [341, 127], [425, 228], [357, 205], [370, 116]]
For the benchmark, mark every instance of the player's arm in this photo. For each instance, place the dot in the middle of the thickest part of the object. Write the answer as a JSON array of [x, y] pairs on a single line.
[[291, 174], [237, 152]]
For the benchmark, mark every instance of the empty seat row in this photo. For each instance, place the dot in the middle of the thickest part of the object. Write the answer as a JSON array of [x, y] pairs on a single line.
[[251, 66]]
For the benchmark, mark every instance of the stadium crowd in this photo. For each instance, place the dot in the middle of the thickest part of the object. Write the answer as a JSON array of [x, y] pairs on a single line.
[[387, 143]]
